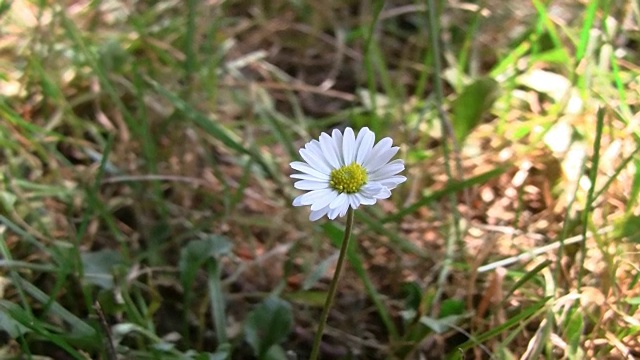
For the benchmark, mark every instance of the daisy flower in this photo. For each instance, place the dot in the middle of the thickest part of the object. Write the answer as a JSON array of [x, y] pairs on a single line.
[[342, 171]]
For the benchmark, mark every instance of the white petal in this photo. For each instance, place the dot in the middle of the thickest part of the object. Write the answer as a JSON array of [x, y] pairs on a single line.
[[317, 160], [339, 201], [393, 181], [314, 146], [337, 140], [344, 210], [298, 200], [314, 197], [325, 200], [308, 169], [317, 214], [379, 148], [383, 194], [353, 201], [371, 189], [378, 158], [329, 150], [364, 200], [348, 146], [307, 177], [364, 143], [333, 213], [387, 171], [311, 185]]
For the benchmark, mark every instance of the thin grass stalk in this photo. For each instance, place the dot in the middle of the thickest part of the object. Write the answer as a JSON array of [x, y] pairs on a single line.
[[593, 174]]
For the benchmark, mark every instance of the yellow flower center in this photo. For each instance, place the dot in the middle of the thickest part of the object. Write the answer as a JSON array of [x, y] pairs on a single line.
[[348, 179]]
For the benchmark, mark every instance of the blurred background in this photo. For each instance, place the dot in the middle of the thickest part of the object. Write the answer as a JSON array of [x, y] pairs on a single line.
[[145, 198]]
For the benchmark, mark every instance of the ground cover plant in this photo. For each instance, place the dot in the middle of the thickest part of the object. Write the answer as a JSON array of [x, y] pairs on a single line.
[[146, 208]]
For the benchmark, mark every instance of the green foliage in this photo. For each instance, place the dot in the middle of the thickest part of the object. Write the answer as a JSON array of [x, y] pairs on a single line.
[[472, 105], [575, 331], [99, 265], [197, 252], [207, 253], [267, 326]]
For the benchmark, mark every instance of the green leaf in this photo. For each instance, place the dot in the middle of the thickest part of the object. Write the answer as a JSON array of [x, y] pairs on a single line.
[[451, 307], [276, 353], [575, 328], [223, 352], [98, 267], [413, 295], [630, 228], [441, 325], [472, 104], [197, 252], [268, 324], [7, 200], [11, 326], [317, 273]]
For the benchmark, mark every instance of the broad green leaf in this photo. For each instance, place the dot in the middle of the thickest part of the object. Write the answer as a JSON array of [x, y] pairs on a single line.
[[268, 324], [413, 295], [276, 353], [451, 307], [441, 325], [7, 200], [317, 273], [633, 300], [11, 326], [197, 252], [122, 330], [223, 352], [98, 267], [472, 104], [195, 255]]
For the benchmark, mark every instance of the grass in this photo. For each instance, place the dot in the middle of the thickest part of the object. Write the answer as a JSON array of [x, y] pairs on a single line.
[[145, 200]]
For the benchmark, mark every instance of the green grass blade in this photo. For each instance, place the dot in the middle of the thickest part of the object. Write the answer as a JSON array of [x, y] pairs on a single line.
[[593, 174], [209, 125], [27, 320], [80, 329], [589, 16], [216, 296], [523, 316], [525, 279], [450, 189]]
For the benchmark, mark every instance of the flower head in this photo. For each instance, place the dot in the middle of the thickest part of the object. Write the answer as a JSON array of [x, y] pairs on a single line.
[[342, 171]]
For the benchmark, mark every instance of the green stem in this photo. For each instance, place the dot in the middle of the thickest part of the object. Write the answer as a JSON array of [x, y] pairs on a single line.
[[334, 285]]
